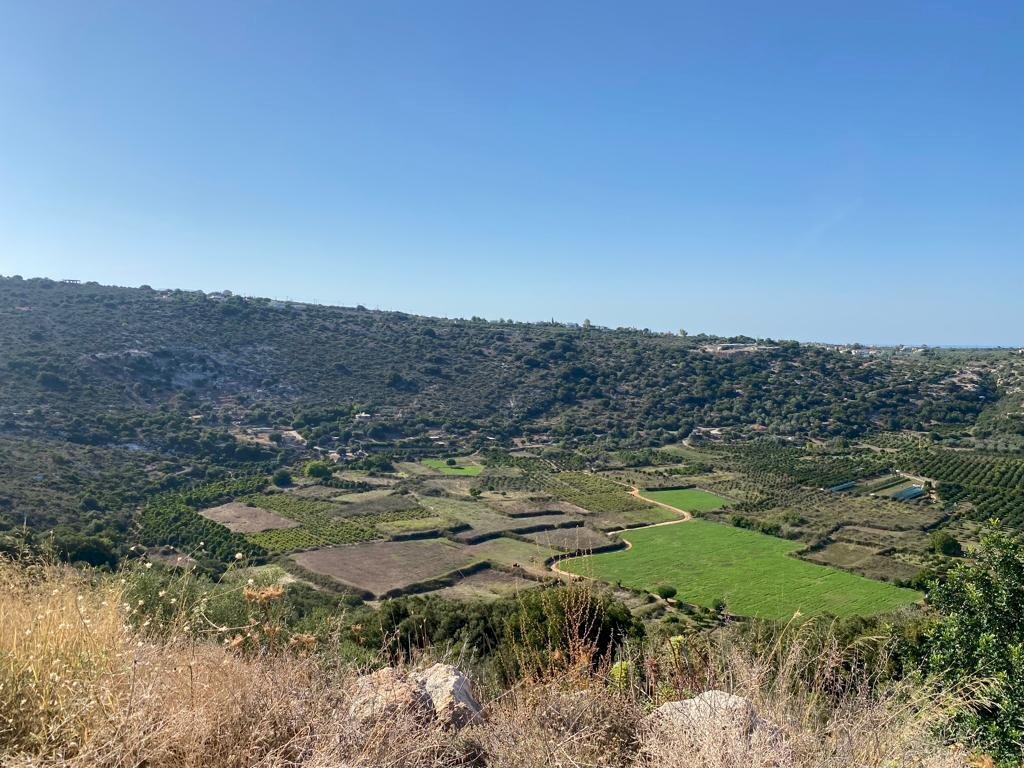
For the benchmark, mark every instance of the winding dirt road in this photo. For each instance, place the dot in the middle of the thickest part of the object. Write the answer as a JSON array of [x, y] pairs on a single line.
[[684, 516], [635, 491]]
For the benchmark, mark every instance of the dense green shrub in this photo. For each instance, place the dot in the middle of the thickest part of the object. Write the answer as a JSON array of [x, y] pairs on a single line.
[[666, 591], [944, 543], [318, 469], [979, 637]]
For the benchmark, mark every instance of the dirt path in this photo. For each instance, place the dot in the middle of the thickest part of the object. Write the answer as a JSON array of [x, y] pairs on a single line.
[[634, 491]]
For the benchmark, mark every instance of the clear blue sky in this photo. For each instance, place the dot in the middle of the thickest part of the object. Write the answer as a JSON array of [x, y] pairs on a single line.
[[812, 170]]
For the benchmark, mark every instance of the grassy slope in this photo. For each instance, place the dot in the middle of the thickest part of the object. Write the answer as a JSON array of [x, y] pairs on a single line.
[[752, 572], [689, 499], [466, 470]]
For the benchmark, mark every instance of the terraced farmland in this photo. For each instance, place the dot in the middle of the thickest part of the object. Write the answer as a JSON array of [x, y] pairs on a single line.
[[581, 539], [244, 518], [864, 560], [754, 574], [688, 499], [323, 523], [560, 509], [384, 566], [514, 553], [610, 502], [485, 585]]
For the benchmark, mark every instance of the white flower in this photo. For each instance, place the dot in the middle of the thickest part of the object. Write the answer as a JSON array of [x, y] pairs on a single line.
[[238, 555]]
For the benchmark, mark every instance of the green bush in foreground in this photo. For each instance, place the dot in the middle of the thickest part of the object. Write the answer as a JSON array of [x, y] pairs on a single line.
[[980, 637]]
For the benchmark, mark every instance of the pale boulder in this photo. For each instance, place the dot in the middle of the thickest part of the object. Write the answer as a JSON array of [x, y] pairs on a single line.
[[713, 729], [387, 694], [450, 693]]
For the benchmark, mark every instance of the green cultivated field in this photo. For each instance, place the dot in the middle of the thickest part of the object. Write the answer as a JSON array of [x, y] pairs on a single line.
[[753, 573], [464, 469], [688, 499]]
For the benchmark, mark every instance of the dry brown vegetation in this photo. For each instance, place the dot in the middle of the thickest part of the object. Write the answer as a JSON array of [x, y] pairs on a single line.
[[85, 682]]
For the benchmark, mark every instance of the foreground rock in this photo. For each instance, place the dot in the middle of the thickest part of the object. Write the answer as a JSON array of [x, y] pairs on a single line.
[[387, 694], [440, 694], [717, 728], [451, 694]]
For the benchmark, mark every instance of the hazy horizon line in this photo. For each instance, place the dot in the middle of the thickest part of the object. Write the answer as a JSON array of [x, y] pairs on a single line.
[[665, 331]]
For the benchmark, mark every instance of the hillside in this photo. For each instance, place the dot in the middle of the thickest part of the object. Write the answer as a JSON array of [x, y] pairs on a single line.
[[298, 493], [95, 348], [169, 373]]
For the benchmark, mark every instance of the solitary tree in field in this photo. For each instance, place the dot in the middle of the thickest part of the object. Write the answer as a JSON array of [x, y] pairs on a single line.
[[665, 591], [944, 544]]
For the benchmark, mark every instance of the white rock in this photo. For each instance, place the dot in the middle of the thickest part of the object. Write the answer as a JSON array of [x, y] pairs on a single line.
[[713, 728], [712, 709], [387, 694], [451, 694]]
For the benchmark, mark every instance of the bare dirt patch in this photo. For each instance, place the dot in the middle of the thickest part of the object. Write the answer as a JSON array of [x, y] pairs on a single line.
[[372, 503], [530, 507], [483, 528], [239, 518], [319, 492], [862, 560], [485, 585], [571, 539], [382, 566]]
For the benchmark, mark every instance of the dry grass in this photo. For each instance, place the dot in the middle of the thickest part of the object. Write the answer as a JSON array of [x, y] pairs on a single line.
[[81, 685], [820, 714], [562, 723]]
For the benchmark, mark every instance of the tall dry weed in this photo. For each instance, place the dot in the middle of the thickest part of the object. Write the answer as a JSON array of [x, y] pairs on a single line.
[[84, 682]]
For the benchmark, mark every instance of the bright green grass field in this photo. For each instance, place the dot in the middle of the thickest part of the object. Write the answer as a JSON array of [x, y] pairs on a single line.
[[689, 499], [467, 469], [752, 572]]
